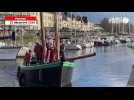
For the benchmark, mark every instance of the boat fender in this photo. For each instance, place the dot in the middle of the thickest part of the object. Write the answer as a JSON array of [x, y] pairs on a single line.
[[68, 64]]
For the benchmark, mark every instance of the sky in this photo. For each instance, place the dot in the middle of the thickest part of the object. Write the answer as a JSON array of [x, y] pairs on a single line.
[[96, 17]]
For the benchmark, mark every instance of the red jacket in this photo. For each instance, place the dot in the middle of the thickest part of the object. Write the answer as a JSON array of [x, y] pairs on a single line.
[[28, 57], [53, 55]]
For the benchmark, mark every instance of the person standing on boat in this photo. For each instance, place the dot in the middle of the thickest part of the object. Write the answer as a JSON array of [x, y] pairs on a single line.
[[28, 58], [38, 49], [49, 45], [53, 53]]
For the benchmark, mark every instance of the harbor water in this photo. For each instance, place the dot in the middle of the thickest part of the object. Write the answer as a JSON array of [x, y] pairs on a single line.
[[111, 67], [8, 68]]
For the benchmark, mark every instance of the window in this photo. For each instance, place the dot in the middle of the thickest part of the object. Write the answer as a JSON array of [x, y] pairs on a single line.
[[46, 17], [49, 18], [33, 13]]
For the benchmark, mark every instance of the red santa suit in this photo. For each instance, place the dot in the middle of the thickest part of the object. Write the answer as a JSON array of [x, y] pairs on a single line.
[[28, 57]]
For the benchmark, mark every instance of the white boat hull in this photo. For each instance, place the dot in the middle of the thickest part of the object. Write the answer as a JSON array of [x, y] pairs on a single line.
[[88, 45], [73, 47], [117, 41]]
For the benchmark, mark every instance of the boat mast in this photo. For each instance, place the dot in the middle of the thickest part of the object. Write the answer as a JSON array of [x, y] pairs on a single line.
[[22, 40], [123, 24], [75, 29], [129, 25], [133, 24], [116, 23], [119, 22], [43, 34], [112, 24], [57, 34]]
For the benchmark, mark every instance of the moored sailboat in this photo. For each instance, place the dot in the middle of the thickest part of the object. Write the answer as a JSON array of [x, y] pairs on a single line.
[[57, 74]]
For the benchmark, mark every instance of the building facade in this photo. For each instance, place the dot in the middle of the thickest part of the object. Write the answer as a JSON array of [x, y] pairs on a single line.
[[65, 21]]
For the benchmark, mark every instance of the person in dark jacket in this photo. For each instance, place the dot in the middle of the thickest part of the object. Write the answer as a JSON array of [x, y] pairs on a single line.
[[38, 49]]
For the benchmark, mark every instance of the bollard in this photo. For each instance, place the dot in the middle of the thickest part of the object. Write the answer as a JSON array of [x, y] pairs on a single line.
[[131, 78]]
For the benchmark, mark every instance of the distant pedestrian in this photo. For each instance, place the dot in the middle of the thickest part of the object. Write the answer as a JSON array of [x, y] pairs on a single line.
[[13, 36]]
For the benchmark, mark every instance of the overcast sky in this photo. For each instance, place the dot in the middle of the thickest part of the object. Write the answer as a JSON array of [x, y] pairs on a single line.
[[98, 16]]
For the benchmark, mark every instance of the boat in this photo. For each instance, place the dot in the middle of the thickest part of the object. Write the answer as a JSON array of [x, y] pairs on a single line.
[[130, 45], [128, 40], [97, 43], [117, 41], [73, 47], [89, 44], [102, 43], [107, 43], [122, 40], [92, 44], [46, 75], [58, 74]]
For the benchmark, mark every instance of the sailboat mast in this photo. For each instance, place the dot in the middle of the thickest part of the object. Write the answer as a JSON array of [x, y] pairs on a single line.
[[129, 25], [133, 24], [57, 35], [112, 25], [123, 24], [119, 22], [42, 29], [43, 34]]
